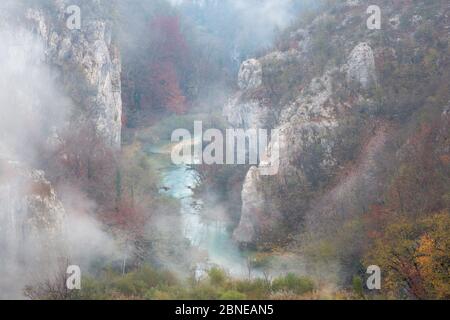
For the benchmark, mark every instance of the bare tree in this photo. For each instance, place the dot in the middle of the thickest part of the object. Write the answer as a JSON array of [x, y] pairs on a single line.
[[52, 288]]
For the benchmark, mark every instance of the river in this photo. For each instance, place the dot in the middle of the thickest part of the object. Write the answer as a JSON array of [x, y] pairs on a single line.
[[204, 233]]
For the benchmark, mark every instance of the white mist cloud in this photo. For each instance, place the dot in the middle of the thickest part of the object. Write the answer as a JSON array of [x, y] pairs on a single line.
[[244, 27], [33, 106], [30, 103], [266, 13]]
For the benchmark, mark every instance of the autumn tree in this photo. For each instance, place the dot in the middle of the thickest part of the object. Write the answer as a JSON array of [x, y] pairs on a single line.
[[81, 159], [165, 87], [414, 257], [157, 76]]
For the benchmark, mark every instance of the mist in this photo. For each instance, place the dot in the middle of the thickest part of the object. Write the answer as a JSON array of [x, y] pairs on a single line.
[[245, 27], [35, 111], [88, 178], [36, 114]]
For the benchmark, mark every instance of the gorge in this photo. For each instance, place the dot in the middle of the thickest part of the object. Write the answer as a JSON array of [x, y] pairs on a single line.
[[345, 128]]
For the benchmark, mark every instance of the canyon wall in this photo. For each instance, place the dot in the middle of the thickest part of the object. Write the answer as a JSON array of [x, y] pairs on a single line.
[[323, 93]]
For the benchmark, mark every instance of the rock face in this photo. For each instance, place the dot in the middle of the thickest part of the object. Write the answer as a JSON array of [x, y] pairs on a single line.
[[361, 65], [252, 204], [89, 63], [250, 75], [248, 110], [71, 70], [30, 198], [310, 125], [31, 227], [247, 114], [306, 124]]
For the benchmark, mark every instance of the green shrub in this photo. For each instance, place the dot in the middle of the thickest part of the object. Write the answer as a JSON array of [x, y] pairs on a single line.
[[217, 276], [232, 295], [253, 289], [294, 284], [204, 292], [357, 285]]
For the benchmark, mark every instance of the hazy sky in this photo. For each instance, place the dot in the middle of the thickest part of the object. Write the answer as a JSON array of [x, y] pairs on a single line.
[[261, 13], [244, 27]]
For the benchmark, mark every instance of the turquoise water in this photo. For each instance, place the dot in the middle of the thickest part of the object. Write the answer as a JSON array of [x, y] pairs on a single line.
[[201, 226]]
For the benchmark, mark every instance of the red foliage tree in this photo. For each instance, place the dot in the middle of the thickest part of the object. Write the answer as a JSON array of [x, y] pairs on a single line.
[[167, 40], [157, 76], [128, 218], [166, 89], [168, 64]]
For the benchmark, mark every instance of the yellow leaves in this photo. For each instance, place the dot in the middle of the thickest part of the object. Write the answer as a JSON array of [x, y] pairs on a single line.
[[424, 252], [433, 255], [414, 255]]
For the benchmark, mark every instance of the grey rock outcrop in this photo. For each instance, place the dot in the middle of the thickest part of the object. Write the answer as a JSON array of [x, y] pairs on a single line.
[[309, 124], [30, 204], [360, 66], [250, 75], [243, 114], [89, 63], [32, 227], [252, 203]]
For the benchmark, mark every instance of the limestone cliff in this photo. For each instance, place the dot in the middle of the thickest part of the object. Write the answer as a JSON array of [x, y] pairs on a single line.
[[32, 227], [323, 94], [309, 126], [54, 78], [88, 60]]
